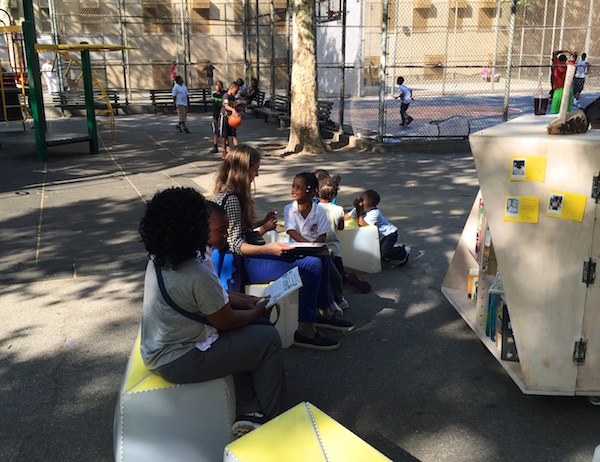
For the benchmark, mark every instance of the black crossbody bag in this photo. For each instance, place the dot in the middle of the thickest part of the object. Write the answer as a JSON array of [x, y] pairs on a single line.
[[195, 316], [171, 302]]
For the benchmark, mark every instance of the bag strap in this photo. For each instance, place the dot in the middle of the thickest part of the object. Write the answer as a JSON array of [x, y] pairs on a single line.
[[161, 284]]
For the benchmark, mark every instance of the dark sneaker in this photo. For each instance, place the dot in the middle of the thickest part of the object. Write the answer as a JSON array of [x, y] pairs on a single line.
[[334, 323], [186, 130], [215, 149], [319, 342], [401, 262], [410, 119], [178, 128]]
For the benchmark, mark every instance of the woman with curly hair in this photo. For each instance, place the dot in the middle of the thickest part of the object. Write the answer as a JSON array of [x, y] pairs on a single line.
[[189, 332], [265, 262]]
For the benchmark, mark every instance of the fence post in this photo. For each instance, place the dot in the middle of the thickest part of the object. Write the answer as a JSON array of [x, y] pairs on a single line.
[[509, 58], [343, 66], [382, 72]]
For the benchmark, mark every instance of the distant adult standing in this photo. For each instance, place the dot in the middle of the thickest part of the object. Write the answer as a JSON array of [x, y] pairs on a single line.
[[581, 70], [50, 77], [209, 69], [405, 96], [173, 72], [181, 101]]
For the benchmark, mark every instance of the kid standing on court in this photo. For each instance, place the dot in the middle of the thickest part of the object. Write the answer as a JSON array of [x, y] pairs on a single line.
[[405, 95], [366, 212], [306, 222], [228, 109], [181, 101], [217, 105]]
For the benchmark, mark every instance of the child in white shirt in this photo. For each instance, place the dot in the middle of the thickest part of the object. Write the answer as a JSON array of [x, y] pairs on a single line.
[[366, 212], [306, 222]]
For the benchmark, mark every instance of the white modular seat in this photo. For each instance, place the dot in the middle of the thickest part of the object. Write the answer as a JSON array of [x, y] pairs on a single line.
[[160, 421]]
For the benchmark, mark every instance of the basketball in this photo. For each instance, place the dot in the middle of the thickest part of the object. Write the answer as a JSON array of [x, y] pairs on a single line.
[[234, 120]]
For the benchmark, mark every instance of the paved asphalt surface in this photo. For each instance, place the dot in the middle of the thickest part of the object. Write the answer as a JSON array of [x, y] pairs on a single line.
[[412, 380]]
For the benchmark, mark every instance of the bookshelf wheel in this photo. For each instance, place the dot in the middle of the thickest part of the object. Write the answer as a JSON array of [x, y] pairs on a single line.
[[594, 400]]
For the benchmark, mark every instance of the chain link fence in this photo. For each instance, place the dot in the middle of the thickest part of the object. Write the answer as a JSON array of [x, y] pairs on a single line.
[[474, 61]]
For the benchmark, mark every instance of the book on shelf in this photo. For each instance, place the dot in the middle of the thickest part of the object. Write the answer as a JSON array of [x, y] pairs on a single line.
[[480, 220], [506, 342], [471, 282]]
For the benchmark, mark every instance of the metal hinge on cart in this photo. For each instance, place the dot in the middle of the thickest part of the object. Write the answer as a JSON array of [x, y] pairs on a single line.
[[579, 352], [596, 187], [589, 272]]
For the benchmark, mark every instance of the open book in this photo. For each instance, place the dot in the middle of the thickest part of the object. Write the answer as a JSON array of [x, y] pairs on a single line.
[[283, 286]]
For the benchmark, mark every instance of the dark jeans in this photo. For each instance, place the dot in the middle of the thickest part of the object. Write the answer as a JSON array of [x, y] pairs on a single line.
[[403, 114], [254, 356], [314, 293], [389, 251]]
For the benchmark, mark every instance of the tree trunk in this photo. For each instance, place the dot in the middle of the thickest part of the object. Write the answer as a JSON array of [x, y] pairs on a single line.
[[304, 127]]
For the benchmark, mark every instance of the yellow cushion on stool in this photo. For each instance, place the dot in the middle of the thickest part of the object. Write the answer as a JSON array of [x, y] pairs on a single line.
[[301, 434], [159, 421]]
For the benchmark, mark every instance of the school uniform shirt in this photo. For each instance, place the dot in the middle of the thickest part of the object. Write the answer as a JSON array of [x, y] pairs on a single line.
[[311, 227], [376, 218], [334, 214]]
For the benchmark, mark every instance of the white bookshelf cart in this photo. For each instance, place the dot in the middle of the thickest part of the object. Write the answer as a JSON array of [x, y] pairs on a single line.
[[545, 253]]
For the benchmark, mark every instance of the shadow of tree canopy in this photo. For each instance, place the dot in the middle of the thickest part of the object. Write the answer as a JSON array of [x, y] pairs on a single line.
[[412, 380]]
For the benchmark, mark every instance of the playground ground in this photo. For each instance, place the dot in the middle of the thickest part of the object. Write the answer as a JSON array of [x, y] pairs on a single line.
[[412, 380]]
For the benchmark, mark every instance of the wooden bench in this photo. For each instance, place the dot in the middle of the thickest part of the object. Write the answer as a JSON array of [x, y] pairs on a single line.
[[76, 100], [198, 97], [258, 101], [324, 109], [201, 97], [278, 106]]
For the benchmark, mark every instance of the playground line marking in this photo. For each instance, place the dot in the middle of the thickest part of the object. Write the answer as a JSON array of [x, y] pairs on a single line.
[[41, 218]]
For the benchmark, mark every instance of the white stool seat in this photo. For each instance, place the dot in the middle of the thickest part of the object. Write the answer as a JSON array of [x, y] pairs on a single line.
[[159, 421]]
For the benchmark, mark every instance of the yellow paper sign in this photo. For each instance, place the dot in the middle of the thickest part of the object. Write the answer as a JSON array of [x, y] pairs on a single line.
[[568, 206], [527, 168], [521, 208]]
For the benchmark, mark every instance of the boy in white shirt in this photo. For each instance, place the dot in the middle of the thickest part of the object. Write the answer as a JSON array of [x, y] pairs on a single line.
[[366, 212], [405, 95]]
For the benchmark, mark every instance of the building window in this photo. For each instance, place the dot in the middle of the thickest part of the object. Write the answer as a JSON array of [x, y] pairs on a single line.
[[200, 16], [280, 16], [485, 15], [420, 19], [238, 16], [371, 71], [157, 16], [45, 24]]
